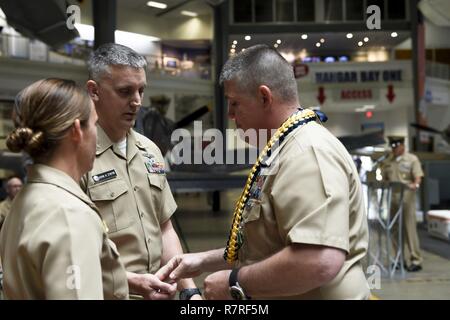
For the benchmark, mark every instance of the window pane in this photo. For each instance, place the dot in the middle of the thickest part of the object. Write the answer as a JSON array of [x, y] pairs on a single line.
[[285, 10], [354, 10], [242, 10], [263, 11], [333, 10], [379, 3], [396, 10], [306, 10]]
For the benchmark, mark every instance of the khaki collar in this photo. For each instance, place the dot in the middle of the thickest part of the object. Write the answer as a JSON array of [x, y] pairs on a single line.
[[275, 153], [104, 143], [40, 173]]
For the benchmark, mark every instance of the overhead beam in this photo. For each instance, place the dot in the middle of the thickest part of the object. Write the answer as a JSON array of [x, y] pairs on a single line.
[[316, 27], [104, 13], [220, 54]]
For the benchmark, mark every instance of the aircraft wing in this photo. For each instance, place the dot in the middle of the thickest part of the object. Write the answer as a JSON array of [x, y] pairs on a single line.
[[354, 142]]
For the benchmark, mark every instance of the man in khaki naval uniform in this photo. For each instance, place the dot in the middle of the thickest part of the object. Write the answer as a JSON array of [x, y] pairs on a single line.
[[62, 251], [13, 186], [404, 167], [128, 182], [304, 229]]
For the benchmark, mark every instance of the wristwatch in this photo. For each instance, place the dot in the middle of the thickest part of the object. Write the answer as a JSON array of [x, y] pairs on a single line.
[[186, 294], [236, 291]]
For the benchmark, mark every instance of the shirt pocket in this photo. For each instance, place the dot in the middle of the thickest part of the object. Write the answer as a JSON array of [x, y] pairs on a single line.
[[405, 169], [157, 184], [157, 181], [111, 200], [252, 213]]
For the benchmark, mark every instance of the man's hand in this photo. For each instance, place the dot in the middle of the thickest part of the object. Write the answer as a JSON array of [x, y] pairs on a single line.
[[181, 266], [217, 286], [413, 186], [151, 287]]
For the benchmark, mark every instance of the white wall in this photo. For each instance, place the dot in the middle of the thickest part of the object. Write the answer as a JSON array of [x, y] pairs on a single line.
[[162, 27], [343, 124], [200, 27], [343, 120], [435, 37]]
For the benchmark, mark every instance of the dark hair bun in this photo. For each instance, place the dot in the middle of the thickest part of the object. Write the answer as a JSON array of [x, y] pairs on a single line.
[[25, 139]]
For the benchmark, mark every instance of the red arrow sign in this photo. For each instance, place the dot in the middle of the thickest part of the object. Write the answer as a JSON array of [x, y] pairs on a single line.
[[390, 95], [321, 97]]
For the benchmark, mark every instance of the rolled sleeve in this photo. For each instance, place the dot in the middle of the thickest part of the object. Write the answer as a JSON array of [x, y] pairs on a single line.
[[168, 205]]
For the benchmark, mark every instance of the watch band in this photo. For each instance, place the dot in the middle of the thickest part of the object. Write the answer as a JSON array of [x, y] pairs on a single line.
[[233, 279], [186, 294], [236, 287]]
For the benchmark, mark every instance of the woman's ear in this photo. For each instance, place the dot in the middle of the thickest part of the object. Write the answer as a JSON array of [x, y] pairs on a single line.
[[92, 89], [76, 133]]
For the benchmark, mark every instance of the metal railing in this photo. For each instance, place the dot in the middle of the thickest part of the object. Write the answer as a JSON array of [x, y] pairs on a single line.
[[437, 70], [18, 47]]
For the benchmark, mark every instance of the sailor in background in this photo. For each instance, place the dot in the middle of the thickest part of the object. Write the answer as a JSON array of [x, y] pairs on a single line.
[[404, 167]]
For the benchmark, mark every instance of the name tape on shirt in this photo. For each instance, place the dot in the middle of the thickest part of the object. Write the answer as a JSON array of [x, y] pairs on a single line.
[[104, 176]]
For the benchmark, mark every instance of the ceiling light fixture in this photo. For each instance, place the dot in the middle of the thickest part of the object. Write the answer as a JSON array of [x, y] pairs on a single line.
[[189, 13], [360, 43], [394, 34], [349, 35], [279, 41], [304, 36], [322, 40], [158, 5], [366, 39], [318, 44], [248, 38]]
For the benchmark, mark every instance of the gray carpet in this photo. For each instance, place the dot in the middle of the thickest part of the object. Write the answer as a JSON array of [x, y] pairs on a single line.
[[434, 245]]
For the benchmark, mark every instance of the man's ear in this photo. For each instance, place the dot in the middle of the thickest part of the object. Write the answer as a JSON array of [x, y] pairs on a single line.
[[76, 133], [266, 95], [92, 89]]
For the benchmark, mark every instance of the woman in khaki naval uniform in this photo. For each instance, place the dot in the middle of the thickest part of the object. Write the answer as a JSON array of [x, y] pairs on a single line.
[[54, 244]]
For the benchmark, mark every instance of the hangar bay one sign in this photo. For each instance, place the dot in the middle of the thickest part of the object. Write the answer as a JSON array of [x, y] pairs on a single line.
[[358, 76]]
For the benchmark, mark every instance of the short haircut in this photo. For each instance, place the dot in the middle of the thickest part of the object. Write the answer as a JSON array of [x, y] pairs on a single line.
[[261, 65], [113, 54]]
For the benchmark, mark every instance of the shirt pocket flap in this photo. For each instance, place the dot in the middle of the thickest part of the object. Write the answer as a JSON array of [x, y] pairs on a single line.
[[157, 180], [108, 191]]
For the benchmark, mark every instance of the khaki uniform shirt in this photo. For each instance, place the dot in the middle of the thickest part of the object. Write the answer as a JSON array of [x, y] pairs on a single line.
[[309, 193], [404, 169], [54, 244], [5, 207], [134, 198]]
